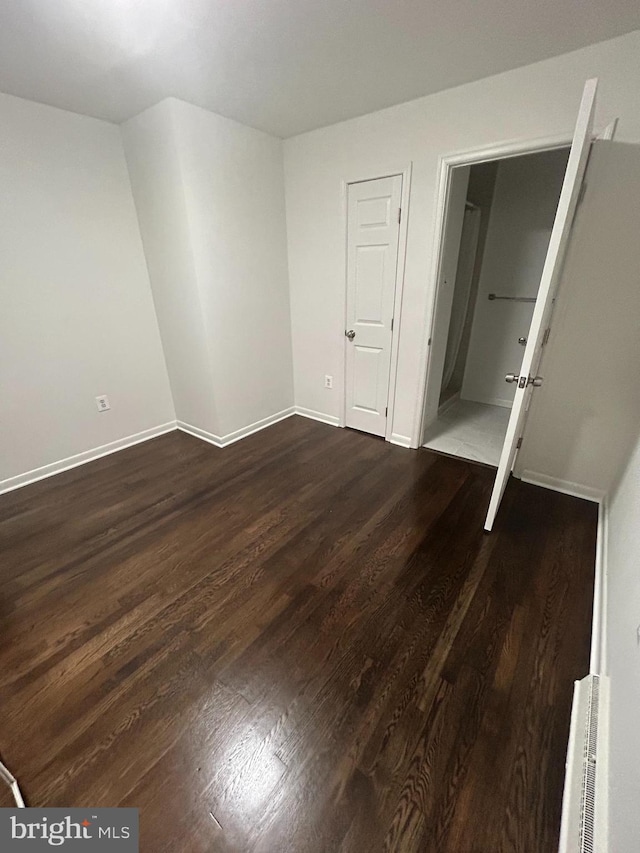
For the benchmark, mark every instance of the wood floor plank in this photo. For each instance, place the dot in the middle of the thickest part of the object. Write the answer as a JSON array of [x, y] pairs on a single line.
[[302, 642]]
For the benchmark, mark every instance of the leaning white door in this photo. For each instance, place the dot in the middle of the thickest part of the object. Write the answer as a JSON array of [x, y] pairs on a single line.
[[527, 378], [373, 216]]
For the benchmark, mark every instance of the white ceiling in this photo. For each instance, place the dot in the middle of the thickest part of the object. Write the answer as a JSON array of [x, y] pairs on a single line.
[[284, 66]]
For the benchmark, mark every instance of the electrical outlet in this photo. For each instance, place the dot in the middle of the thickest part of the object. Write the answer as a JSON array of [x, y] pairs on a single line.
[[328, 381], [102, 403]]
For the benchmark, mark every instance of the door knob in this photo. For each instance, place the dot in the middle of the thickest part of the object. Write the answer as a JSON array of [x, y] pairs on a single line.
[[350, 334], [536, 381], [522, 341]]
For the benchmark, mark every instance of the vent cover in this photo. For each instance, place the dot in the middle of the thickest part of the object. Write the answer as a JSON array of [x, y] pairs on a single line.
[[588, 799]]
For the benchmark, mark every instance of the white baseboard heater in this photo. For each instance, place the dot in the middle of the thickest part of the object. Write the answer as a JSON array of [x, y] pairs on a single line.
[[583, 828]]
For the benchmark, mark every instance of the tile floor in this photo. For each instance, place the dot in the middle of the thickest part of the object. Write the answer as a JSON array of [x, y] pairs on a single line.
[[471, 430]]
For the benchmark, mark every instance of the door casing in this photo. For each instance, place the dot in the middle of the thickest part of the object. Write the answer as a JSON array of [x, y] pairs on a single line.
[[446, 164]]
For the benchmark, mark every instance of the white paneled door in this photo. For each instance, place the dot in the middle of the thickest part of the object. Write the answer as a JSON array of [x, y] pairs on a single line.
[[527, 378], [373, 228]]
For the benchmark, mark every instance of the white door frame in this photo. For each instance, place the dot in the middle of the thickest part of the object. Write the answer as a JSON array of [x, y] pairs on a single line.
[[405, 173], [446, 163]]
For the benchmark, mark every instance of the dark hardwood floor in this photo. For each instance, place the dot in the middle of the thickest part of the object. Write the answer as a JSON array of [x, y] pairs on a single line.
[[306, 636]]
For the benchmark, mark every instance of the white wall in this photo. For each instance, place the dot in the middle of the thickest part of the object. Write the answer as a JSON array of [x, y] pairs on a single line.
[[77, 317], [535, 101], [234, 188], [583, 421], [210, 198], [623, 657], [522, 212], [157, 183]]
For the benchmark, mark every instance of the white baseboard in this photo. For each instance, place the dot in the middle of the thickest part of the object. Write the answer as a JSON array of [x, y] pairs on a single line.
[[450, 401], [243, 432], [400, 440], [317, 416], [196, 432], [577, 490], [505, 402], [263, 423], [395, 438], [61, 465]]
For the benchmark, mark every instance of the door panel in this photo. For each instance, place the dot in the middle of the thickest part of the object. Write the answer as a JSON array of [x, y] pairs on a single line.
[[368, 366], [373, 212], [544, 303], [370, 284], [372, 260]]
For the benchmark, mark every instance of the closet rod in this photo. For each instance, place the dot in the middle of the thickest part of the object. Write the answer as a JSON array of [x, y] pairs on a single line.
[[493, 296]]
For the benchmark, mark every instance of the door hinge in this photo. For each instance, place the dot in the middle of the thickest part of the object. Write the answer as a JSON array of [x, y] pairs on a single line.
[[429, 342], [392, 324], [519, 443], [547, 332], [399, 214], [386, 412]]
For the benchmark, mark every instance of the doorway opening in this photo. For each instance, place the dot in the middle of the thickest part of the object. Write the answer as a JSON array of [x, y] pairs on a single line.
[[497, 230]]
